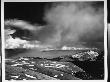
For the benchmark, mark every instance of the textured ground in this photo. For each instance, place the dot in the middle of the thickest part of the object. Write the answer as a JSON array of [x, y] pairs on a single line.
[[66, 67]]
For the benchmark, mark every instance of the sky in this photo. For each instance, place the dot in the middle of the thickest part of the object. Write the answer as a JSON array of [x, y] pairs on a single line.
[[32, 12], [58, 23]]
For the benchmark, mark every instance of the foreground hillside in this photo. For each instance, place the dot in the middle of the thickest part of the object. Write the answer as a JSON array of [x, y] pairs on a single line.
[[74, 66]]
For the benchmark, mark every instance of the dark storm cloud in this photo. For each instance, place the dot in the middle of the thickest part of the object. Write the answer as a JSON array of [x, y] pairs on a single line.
[[70, 23]]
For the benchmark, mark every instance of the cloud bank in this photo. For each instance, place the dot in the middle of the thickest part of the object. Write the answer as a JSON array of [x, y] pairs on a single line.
[[68, 24]]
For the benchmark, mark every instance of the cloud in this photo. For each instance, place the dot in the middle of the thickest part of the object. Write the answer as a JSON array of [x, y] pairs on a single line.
[[75, 22], [67, 23], [21, 24]]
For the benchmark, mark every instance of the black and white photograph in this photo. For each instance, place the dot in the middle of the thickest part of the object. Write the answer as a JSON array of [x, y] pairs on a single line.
[[55, 40]]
